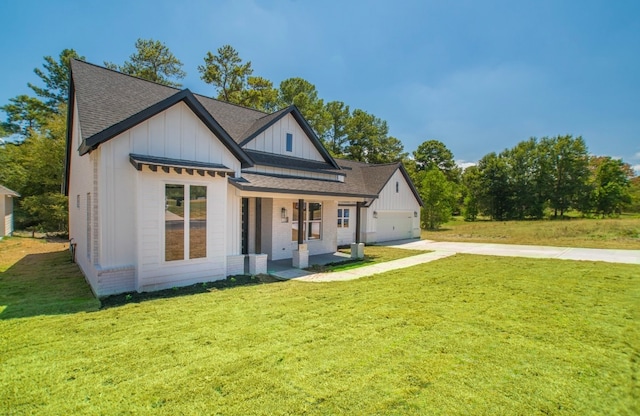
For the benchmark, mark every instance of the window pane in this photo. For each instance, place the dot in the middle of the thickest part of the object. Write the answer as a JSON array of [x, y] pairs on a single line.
[[174, 222], [315, 211], [346, 223], [339, 212], [346, 212], [198, 222], [339, 222], [289, 142], [314, 230]]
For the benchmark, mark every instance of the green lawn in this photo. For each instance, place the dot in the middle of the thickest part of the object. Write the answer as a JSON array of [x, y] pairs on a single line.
[[372, 254], [616, 233], [463, 335]]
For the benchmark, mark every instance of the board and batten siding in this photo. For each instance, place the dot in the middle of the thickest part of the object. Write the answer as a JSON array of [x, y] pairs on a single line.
[[390, 201], [125, 247], [153, 272], [274, 139], [81, 188], [175, 133]]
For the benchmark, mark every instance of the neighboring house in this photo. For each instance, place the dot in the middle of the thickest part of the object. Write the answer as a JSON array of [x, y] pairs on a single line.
[[169, 188], [6, 210]]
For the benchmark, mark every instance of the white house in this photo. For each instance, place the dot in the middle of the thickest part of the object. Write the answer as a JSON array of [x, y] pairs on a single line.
[[169, 188], [6, 209]]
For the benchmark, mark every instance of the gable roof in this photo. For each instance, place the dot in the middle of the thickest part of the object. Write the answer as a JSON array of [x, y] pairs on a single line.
[[6, 191], [375, 177], [110, 103], [265, 122]]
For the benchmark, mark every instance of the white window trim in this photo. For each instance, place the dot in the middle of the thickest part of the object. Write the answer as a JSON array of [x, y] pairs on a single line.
[[187, 211]]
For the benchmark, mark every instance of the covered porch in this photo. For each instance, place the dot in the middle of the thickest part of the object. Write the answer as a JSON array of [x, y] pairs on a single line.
[[294, 229]]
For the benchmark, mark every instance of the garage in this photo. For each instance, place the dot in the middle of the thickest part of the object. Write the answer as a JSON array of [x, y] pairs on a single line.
[[394, 225]]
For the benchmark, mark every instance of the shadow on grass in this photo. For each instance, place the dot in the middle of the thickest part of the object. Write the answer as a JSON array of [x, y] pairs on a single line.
[[228, 283], [44, 284]]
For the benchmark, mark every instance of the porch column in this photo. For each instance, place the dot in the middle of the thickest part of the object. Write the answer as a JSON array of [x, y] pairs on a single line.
[[357, 248], [300, 257], [300, 221]]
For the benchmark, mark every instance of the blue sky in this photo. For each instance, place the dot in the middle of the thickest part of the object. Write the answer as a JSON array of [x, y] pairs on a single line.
[[479, 76]]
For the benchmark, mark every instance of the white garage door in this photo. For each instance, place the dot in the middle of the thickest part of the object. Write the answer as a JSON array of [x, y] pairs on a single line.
[[394, 225]]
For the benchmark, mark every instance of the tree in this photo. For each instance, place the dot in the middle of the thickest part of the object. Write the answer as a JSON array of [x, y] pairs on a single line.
[[303, 94], [152, 61], [437, 195], [55, 76], [495, 195], [569, 171], [34, 168], [368, 140], [528, 179], [434, 154], [634, 192], [259, 95], [227, 73], [25, 114], [336, 135], [612, 186], [472, 185]]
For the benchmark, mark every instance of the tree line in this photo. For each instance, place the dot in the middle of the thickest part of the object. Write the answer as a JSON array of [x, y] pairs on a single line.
[[535, 178], [522, 182]]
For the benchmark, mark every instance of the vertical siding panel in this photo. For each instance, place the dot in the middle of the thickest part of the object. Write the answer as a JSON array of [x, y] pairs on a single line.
[[188, 133], [156, 135], [172, 128]]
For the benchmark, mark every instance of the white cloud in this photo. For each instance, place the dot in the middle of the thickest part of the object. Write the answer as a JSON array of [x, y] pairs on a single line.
[[636, 168], [464, 164]]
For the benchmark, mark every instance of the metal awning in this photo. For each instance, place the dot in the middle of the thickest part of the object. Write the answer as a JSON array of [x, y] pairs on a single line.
[[179, 166]]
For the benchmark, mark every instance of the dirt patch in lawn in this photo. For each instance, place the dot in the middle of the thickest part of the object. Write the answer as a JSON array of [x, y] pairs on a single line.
[[228, 283]]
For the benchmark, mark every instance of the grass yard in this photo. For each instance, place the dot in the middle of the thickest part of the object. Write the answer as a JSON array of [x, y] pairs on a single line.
[[373, 254], [37, 277], [463, 335], [617, 233]]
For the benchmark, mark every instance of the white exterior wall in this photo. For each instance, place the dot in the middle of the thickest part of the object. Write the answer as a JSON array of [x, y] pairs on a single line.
[[234, 222], [6, 209], [153, 272], [128, 206], [279, 244], [390, 201], [274, 139], [81, 183]]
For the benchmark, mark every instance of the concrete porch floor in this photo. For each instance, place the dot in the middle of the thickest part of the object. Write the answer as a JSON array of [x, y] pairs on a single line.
[[284, 268]]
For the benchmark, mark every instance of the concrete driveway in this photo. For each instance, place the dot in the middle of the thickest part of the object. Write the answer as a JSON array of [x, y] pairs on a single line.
[[543, 252]]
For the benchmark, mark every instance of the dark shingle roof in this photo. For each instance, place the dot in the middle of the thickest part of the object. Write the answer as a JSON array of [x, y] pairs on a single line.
[[296, 185], [110, 102], [374, 177], [106, 98], [288, 162]]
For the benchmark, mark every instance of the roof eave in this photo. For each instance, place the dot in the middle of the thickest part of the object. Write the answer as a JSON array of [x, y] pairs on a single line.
[[251, 188]]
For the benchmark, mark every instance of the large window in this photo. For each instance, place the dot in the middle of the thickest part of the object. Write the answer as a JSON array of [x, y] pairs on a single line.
[[185, 220], [343, 217], [311, 221]]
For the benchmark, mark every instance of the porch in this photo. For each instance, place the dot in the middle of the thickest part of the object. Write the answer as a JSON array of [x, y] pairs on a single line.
[[284, 269]]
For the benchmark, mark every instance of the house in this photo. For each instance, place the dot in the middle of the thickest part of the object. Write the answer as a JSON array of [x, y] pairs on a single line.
[[169, 188], [6, 209]]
